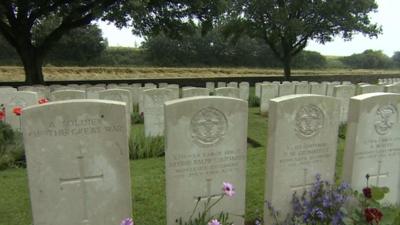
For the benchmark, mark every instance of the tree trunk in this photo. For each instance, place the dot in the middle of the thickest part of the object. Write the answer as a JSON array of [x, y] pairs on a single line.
[[286, 68], [33, 63]]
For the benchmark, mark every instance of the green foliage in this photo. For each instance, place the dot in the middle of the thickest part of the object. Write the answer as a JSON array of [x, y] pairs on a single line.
[[11, 148], [287, 26], [342, 131], [141, 147], [120, 56], [78, 47], [254, 101], [396, 59], [203, 217], [8, 55], [369, 59], [369, 206], [208, 50], [309, 60], [172, 17]]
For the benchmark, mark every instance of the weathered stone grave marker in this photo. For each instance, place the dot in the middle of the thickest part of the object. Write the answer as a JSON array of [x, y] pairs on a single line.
[[311, 124], [268, 92], [228, 92], [205, 146], [62, 95], [77, 162], [373, 143], [154, 110], [21, 99]]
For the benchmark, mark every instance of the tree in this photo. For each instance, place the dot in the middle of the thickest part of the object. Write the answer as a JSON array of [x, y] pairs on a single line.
[[78, 47], [20, 22], [287, 25], [20, 19], [396, 59], [369, 59]]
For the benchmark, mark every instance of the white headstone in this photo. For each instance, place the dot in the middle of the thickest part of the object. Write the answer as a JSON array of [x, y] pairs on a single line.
[[286, 89], [373, 143], [163, 85], [150, 85], [221, 84], [302, 142], [317, 88], [175, 90], [232, 84], [153, 102], [62, 95], [369, 88], [120, 95], [392, 88], [6, 93], [205, 146], [330, 86], [21, 99], [210, 86], [192, 92], [77, 162], [244, 89], [268, 92], [302, 88], [344, 93], [228, 92], [93, 92]]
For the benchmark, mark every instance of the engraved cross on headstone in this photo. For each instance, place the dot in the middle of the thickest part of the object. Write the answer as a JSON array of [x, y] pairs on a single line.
[[81, 181], [379, 174], [304, 185], [208, 195]]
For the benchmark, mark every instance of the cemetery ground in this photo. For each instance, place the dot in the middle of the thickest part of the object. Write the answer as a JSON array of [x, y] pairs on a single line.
[[13, 73], [148, 182]]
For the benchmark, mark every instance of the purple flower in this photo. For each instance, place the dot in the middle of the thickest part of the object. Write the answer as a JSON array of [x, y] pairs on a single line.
[[326, 201], [127, 221], [319, 213], [214, 222], [228, 189]]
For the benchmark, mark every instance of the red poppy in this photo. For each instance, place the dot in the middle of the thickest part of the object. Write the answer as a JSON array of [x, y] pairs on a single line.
[[17, 111], [367, 192], [2, 115], [372, 214], [43, 101]]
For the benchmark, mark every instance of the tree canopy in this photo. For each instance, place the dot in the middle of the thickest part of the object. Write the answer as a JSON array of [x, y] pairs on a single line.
[[21, 24], [287, 25], [24, 23]]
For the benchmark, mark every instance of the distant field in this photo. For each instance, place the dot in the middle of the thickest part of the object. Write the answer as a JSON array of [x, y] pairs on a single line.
[[8, 73]]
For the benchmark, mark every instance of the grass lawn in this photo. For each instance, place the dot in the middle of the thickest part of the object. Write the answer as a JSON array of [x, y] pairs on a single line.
[[148, 183]]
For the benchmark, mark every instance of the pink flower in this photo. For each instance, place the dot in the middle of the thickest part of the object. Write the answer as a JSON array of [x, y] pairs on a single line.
[[228, 189], [127, 221], [214, 222]]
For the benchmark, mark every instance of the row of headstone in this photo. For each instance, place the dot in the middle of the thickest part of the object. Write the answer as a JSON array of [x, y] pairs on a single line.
[[342, 92], [78, 158], [388, 80]]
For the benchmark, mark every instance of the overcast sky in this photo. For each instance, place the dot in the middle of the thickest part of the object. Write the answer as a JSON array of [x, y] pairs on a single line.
[[388, 16]]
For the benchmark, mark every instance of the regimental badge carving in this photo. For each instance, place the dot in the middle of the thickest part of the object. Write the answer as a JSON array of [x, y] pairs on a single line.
[[309, 121], [208, 126], [386, 117]]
